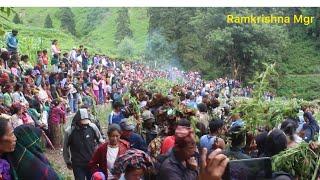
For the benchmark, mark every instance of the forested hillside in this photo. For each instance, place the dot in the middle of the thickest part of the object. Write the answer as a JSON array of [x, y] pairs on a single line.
[[190, 38]]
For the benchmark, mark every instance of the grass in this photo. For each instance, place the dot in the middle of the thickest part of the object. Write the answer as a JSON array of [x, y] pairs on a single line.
[[101, 38]]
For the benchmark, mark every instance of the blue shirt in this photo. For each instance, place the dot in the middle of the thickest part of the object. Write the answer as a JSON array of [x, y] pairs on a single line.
[[12, 42], [115, 118], [137, 142], [207, 141]]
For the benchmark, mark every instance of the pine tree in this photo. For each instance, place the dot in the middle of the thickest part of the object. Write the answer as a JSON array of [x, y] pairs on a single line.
[[16, 19], [123, 25], [67, 20], [48, 22]]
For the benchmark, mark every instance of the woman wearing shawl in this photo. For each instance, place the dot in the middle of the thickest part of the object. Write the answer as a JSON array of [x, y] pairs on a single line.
[[106, 154], [20, 154], [132, 165]]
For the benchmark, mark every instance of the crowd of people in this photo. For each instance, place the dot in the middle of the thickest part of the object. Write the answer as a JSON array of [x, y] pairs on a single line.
[[189, 133]]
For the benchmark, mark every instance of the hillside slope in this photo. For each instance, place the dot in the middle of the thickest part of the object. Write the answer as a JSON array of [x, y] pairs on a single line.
[[32, 39], [100, 36], [301, 70]]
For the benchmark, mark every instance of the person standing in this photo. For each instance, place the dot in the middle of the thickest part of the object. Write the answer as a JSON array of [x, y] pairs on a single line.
[[57, 118], [12, 42], [80, 142], [106, 154], [55, 55]]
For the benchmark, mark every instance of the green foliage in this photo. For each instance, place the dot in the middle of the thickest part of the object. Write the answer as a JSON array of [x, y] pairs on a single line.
[[67, 20], [16, 19], [299, 161], [159, 85], [93, 18], [158, 49], [48, 22], [123, 25], [5, 12], [300, 86], [258, 112], [126, 48]]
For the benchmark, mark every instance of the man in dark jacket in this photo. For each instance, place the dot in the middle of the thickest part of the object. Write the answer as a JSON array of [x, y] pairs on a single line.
[[182, 162], [128, 134], [80, 141]]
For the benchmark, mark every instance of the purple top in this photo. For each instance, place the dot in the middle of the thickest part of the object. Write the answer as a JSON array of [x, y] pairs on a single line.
[[57, 114]]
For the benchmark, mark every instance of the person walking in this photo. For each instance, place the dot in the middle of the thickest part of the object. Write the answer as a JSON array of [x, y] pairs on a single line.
[[80, 142]]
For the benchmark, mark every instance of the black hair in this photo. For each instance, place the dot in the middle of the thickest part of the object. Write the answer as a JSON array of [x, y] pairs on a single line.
[[45, 51], [113, 127], [18, 86], [261, 142], [276, 142], [202, 107], [54, 41], [289, 127], [215, 125], [24, 57], [188, 95], [184, 122], [3, 126], [14, 31], [116, 104]]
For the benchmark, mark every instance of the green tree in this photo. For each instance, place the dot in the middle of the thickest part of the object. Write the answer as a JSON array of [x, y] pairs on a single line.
[[48, 22], [67, 20], [16, 19], [94, 17], [126, 48], [123, 25], [158, 50]]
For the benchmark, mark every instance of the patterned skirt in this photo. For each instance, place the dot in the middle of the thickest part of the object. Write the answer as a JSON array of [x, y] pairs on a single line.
[[55, 135]]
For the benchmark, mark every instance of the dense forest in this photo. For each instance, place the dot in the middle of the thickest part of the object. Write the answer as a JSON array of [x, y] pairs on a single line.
[[196, 39]]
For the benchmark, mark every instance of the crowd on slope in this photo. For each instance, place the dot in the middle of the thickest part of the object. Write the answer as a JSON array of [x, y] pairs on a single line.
[[189, 133]]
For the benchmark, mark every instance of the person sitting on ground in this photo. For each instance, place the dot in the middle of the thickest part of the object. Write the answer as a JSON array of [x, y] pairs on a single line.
[[8, 89], [20, 115], [128, 134], [211, 140], [106, 154], [18, 96]]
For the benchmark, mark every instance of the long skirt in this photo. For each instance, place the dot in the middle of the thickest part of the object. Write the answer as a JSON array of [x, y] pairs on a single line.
[[55, 135]]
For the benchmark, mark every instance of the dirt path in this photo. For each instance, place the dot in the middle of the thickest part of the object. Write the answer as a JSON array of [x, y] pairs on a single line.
[[56, 157]]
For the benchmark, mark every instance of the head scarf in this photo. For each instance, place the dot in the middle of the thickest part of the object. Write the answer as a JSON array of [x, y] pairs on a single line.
[[28, 160], [133, 158]]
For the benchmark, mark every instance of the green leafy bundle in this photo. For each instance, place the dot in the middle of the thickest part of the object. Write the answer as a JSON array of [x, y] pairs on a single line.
[[259, 112], [299, 161], [159, 85]]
